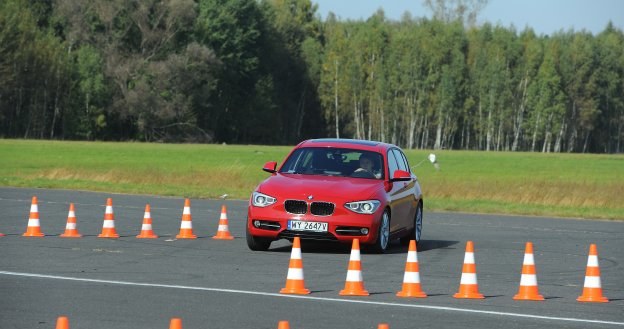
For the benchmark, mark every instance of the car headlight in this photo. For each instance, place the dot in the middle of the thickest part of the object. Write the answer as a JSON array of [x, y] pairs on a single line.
[[262, 200], [363, 207]]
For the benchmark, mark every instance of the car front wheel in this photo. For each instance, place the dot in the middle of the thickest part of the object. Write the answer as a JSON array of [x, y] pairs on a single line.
[[383, 236], [257, 243]]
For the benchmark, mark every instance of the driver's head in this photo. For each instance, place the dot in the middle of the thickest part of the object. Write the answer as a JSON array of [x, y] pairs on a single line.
[[366, 162]]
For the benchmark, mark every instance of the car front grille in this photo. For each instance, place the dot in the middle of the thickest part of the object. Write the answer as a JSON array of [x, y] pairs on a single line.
[[300, 207], [322, 208], [297, 207]]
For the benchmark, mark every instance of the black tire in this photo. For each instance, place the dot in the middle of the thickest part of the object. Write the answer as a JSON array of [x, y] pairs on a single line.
[[257, 243], [383, 236], [416, 232]]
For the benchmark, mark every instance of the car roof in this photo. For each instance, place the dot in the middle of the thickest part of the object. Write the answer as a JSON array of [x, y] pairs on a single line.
[[358, 144]]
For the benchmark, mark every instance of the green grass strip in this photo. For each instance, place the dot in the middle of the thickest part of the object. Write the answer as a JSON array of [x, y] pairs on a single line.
[[567, 185]]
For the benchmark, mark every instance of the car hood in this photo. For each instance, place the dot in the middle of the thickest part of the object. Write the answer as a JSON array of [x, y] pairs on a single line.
[[322, 188]]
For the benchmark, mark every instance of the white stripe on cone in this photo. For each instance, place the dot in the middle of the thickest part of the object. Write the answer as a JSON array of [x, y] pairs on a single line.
[[468, 278], [592, 282], [295, 253], [411, 277], [469, 258], [528, 259], [295, 274], [33, 222], [70, 226], [355, 255], [108, 223], [186, 224], [354, 276], [528, 280], [146, 227]]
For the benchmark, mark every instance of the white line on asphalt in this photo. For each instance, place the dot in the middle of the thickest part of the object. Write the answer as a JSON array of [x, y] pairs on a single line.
[[430, 307]]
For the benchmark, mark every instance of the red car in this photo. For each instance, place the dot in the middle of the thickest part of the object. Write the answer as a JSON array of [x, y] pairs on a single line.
[[337, 190]]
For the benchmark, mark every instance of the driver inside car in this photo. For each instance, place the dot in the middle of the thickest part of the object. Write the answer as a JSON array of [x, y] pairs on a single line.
[[367, 165]]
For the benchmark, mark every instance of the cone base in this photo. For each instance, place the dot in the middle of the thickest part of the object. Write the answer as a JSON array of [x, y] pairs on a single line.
[[353, 293], [225, 237], [586, 299], [186, 236], [406, 294], [33, 235], [294, 291], [468, 296], [110, 236], [527, 297], [70, 235], [146, 236]]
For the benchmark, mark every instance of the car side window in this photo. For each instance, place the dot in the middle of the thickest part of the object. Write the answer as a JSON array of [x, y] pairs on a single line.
[[392, 164], [402, 161]]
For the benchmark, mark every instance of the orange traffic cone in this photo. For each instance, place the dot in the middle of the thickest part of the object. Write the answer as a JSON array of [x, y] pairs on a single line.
[[411, 278], [283, 325], [468, 287], [294, 279], [146, 228], [186, 226], [528, 281], [592, 288], [354, 285], [383, 326], [224, 232], [33, 229], [175, 323], [70, 228], [108, 228], [62, 322]]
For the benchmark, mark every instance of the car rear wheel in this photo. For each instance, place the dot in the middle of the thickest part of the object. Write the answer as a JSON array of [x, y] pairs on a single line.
[[383, 236], [417, 230], [257, 243]]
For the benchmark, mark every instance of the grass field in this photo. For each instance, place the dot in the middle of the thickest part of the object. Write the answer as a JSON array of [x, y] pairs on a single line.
[[567, 185]]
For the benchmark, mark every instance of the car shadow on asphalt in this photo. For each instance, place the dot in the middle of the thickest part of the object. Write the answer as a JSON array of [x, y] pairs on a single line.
[[425, 245], [329, 247], [422, 246], [311, 246]]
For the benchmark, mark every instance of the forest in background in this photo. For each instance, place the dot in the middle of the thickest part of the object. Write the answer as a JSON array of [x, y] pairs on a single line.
[[274, 72]]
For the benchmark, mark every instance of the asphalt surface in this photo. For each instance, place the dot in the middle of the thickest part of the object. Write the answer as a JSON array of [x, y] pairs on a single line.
[[133, 283]]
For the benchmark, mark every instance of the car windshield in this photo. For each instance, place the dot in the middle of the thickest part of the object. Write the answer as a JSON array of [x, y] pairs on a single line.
[[339, 162]]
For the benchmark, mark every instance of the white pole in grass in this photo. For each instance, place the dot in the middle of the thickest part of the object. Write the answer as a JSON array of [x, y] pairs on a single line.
[[432, 158]]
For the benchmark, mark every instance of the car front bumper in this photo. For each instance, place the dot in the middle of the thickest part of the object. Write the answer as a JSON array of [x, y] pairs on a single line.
[[343, 225]]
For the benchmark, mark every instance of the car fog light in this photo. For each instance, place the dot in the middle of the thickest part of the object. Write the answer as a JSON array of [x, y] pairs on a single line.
[[364, 230], [256, 223]]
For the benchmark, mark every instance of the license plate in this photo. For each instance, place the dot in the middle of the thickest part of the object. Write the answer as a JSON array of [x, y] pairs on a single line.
[[298, 225]]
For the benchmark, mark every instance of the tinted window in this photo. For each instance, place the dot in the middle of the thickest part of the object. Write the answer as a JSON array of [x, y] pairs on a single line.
[[392, 164], [401, 160]]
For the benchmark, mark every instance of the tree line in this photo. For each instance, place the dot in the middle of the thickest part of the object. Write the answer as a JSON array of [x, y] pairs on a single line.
[[274, 72]]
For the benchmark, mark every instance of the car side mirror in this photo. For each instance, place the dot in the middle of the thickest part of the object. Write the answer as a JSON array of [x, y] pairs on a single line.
[[401, 176], [270, 167]]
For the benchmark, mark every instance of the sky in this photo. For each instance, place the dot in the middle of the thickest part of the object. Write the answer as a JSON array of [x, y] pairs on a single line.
[[544, 16]]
